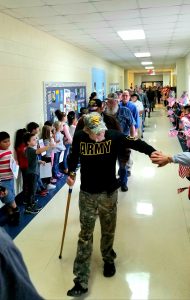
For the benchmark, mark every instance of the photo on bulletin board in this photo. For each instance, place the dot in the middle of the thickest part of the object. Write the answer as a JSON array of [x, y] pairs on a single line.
[[63, 96]]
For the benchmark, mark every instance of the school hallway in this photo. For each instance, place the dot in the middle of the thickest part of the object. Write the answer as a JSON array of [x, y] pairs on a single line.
[[152, 238]]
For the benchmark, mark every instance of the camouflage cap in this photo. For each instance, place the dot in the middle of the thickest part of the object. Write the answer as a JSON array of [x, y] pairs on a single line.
[[94, 122], [112, 96]]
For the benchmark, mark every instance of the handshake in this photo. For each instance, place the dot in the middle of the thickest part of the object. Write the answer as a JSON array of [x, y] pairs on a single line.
[[160, 159]]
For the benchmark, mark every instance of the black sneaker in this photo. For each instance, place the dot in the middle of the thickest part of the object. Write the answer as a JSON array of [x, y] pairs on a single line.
[[109, 269], [77, 290], [25, 202], [14, 217], [124, 188], [32, 209]]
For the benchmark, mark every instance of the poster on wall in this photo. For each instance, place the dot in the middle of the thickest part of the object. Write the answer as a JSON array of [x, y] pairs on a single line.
[[114, 87], [99, 83], [64, 96]]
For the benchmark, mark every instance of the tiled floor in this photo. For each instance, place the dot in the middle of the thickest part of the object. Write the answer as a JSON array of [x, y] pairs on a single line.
[[152, 237]]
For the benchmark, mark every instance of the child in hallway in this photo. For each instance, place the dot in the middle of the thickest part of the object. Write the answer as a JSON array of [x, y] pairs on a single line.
[[72, 122], [20, 148], [48, 139], [34, 128], [7, 180], [57, 151], [62, 117], [33, 170]]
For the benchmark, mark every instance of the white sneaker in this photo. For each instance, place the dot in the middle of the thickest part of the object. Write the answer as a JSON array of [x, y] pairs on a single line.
[[51, 186]]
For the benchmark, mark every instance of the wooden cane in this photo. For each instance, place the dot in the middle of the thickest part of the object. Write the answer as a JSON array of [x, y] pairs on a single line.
[[66, 218]]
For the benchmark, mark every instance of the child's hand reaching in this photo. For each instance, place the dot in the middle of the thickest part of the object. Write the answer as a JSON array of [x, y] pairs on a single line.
[[42, 162]]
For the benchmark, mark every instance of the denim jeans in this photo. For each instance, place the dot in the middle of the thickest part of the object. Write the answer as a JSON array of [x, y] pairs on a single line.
[[55, 168], [9, 185], [65, 165], [123, 173]]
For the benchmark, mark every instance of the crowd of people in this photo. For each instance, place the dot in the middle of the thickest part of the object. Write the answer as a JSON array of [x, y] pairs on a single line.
[[103, 134], [124, 111], [32, 149]]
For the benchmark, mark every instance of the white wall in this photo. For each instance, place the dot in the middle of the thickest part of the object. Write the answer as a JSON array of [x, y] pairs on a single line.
[[166, 79], [152, 78], [187, 73], [139, 78], [27, 58], [182, 71]]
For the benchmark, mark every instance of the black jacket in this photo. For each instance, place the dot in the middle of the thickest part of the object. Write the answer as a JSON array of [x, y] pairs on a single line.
[[98, 159]]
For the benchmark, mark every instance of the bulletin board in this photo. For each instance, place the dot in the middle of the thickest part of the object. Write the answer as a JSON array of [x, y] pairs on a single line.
[[66, 96]]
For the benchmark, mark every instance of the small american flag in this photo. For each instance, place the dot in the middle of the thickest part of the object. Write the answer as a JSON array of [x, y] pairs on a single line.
[[184, 171], [173, 133], [187, 132]]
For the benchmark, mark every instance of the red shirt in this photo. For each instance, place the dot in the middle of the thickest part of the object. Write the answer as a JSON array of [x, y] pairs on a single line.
[[21, 157]]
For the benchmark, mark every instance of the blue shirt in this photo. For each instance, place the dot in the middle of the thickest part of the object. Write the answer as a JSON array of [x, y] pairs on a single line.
[[125, 118], [134, 112]]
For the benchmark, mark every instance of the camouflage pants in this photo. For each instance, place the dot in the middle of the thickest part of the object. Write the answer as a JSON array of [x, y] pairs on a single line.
[[106, 204]]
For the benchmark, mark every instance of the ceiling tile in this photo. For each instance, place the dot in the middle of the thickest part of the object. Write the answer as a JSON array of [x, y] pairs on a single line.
[[92, 17], [121, 15], [77, 8], [160, 19], [58, 27], [99, 31], [160, 3], [47, 21], [91, 25], [21, 3], [160, 11], [55, 2], [113, 5], [185, 10]]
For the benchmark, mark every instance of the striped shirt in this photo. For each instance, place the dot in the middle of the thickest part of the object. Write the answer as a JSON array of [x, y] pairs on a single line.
[[5, 170]]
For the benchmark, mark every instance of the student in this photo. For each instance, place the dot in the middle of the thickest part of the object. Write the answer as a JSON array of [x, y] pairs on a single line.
[[33, 171], [15, 282], [48, 139], [7, 180], [57, 151], [34, 128], [98, 149], [62, 117], [67, 142], [140, 108], [72, 122], [20, 148]]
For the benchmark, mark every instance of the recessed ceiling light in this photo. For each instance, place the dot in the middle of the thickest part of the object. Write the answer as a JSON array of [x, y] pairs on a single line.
[[149, 68], [142, 54], [144, 63], [128, 35]]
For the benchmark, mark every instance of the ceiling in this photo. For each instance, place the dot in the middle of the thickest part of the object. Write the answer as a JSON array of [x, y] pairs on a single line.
[[92, 25]]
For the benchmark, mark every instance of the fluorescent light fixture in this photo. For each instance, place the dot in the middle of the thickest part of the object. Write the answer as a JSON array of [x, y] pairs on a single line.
[[144, 63], [142, 54], [149, 68], [128, 35]]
